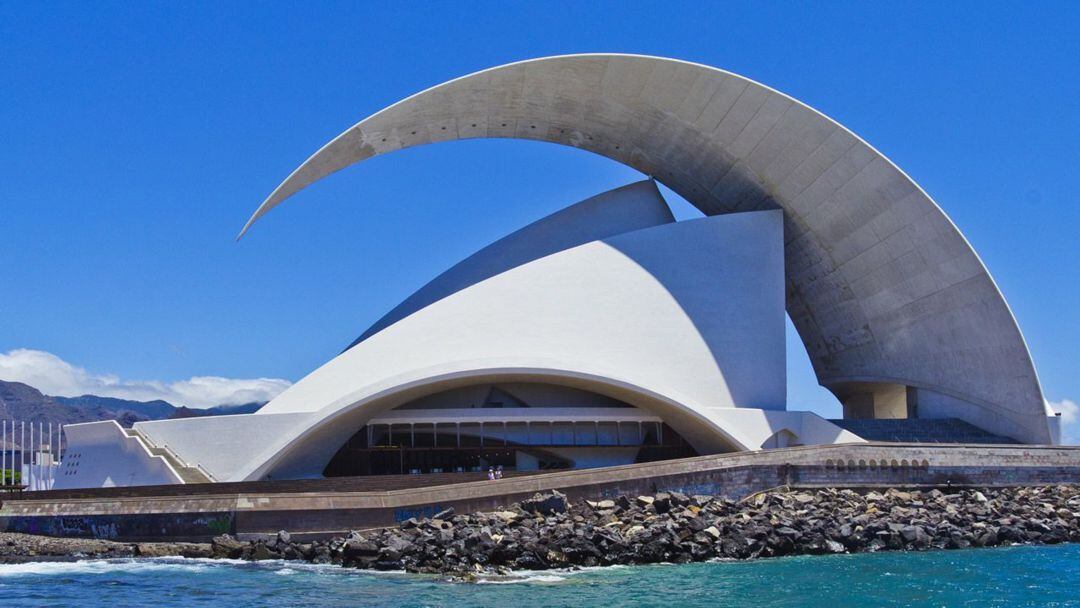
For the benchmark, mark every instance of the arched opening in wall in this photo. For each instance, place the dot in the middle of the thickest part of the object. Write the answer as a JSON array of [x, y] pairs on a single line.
[[516, 426], [783, 438]]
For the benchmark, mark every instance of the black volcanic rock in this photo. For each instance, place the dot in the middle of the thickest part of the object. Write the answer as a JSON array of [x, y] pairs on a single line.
[[547, 531], [539, 534]]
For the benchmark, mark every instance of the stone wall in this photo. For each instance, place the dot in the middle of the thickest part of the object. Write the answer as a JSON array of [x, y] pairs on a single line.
[[320, 512]]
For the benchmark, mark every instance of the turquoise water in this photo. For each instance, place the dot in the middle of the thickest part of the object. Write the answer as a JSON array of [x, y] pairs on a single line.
[[1013, 576]]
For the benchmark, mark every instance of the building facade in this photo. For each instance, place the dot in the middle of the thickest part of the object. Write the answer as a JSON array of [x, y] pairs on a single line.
[[608, 333]]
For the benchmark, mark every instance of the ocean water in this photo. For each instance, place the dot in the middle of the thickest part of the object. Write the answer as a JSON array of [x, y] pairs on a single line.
[[1011, 576]]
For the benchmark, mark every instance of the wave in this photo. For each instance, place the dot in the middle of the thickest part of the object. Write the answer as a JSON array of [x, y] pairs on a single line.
[[517, 580], [556, 575], [92, 567], [104, 566]]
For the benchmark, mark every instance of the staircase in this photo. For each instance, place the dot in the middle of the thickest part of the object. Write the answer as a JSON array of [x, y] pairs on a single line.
[[188, 474], [920, 430]]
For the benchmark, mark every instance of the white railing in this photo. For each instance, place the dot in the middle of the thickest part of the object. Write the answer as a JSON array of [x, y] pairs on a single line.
[[31, 452], [183, 463]]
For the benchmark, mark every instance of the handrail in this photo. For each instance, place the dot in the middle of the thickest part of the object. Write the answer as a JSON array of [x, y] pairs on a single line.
[[184, 464]]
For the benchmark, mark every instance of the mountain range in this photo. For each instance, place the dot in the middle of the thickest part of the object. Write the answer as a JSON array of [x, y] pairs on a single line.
[[20, 401]]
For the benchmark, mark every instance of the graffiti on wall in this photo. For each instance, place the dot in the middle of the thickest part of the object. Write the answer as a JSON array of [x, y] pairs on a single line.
[[420, 512]]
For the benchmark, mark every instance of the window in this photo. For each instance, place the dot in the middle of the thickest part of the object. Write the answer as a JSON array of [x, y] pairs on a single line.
[[446, 435], [562, 433], [584, 433], [494, 434], [517, 433], [630, 433], [650, 433], [401, 435], [380, 435], [607, 433], [540, 433], [470, 434], [424, 435]]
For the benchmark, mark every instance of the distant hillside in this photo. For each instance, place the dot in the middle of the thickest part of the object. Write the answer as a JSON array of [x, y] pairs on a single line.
[[217, 410], [20, 401], [147, 410]]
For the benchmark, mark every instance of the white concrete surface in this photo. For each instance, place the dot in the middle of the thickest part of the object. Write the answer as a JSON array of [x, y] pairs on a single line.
[[101, 455], [753, 428], [631, 207], [219, 445], [682, 320], [882, 287]]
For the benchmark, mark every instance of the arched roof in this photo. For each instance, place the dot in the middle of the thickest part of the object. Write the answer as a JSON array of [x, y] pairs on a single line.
[[881, 285], [631, 207]]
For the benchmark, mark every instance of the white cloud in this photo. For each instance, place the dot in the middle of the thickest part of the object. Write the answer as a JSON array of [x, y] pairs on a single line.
[[54, 376], [1070, 414]]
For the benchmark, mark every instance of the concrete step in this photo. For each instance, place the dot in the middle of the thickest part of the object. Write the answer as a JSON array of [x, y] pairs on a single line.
[[187, 473]]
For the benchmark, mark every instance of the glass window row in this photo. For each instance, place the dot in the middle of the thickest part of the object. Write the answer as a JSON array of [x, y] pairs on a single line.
[[498, 434]]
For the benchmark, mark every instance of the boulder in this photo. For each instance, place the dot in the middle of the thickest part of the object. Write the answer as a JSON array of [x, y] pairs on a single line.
[[545, 531], [157, 550], [548, 503], [662, 502], [226, 546], [507, 516], [261, 552]]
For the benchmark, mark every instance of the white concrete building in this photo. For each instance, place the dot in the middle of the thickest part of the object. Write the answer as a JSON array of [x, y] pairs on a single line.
[[609, 333]]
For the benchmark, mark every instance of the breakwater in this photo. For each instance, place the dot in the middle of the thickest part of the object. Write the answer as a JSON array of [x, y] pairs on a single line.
[[327, 507], [549, 531]]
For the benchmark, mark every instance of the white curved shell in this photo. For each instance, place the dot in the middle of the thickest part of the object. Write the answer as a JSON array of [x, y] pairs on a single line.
[[683, 319], [881, 286], [631, 207]]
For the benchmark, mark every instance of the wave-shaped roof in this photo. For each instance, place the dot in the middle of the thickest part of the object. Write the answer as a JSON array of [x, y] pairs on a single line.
[[881, 285]]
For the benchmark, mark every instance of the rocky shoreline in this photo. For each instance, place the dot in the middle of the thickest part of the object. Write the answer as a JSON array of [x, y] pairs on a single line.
[[21, 548], [547, 531]]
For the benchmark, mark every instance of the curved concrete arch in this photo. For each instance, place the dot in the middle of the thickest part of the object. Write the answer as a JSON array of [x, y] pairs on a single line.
[[304, 452], [632, 207], [696, 306], [684, 319], [880, 283]]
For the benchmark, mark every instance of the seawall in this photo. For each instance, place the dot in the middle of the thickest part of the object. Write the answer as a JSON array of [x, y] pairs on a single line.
[[319, 508]]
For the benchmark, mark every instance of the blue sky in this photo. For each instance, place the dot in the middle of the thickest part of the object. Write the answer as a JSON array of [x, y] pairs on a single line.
[[138, 137]]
